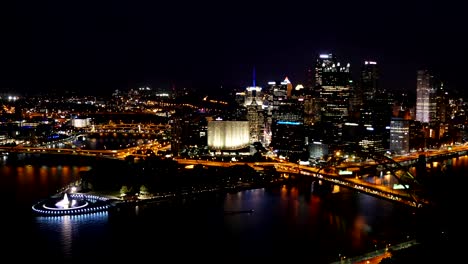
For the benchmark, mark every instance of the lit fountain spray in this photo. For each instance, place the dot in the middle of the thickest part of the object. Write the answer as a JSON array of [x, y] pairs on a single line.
[[70, 204], [65, 203]]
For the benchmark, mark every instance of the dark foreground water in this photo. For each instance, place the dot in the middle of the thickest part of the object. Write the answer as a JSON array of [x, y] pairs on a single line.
[[288, 222]]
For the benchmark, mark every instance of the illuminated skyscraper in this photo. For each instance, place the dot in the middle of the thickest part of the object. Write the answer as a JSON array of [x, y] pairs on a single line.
[[253, 93], [288, 127], [255, 113], [332, 92], [399, 135], [289, 87], [323, 62], [442, 101], [369, 80], [425, 97], [275, 94], [255, 116], [334, 87], [375, 108], [188, 129]]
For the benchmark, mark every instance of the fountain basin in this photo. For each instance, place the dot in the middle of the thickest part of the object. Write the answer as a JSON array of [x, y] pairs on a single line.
[[71, 204]]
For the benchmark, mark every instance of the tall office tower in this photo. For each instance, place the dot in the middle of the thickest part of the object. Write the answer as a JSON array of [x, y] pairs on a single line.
[[331, 94], [253, 93], [399, 135], [442, 103], [255, 116], [289, 87], [355, 99], [312, 112], [274, 94], [334, 89], [288, 127], [376, 108], [425, 97], [187, 129], [323, 62], [369, 80], [255, 113], [366, 89], [309, 83]]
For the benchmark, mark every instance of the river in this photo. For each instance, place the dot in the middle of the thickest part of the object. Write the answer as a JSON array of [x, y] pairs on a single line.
[[290, 222]]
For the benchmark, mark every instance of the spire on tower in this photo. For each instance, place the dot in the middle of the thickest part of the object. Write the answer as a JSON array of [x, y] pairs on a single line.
[[253, 75]]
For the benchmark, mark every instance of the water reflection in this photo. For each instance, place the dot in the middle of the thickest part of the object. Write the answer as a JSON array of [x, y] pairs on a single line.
[[70, 229], [23, 185], [284, 219]]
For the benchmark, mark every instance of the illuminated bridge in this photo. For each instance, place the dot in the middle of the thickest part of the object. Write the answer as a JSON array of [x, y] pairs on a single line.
[[362, 170], [104, 153], [388, 177], [127, 128], [406, 192]]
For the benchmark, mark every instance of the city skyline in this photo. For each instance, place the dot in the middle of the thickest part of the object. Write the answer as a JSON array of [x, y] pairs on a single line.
[[106, 46]]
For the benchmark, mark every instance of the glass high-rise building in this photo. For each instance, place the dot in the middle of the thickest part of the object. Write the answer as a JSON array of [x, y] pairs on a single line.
[[330, 72], [333, 88], [369, 80], [323, 62], [375, 109], [425, 97], [399, 136], [288, 127]]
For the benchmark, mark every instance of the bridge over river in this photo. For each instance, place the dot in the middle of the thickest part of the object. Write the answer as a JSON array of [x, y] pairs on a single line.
[[391, 179]]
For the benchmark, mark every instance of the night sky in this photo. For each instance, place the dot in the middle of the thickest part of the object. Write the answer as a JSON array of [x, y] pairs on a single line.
[[99, 47]]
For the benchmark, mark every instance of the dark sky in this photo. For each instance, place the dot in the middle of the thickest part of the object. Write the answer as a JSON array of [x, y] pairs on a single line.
[[101, 46]]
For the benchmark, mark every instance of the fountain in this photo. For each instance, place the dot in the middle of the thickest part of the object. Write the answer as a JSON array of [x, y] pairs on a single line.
[[71, 204], [65, 203]]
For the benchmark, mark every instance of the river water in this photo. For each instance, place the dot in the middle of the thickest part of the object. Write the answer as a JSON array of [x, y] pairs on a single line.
[[290, 222]]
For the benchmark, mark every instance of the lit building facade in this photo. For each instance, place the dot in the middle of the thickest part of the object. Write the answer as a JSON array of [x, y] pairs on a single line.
[[289, 87], [323, 62], [333, 85], [253, 93], [288, 135], [255, 116], [188, 129], [228, 135], [425, 97], [80, 122], [317, 150], [442, 104], [274, 96], [369, 80], [400, 136], [334, 88], [376, 109], [256, 104]]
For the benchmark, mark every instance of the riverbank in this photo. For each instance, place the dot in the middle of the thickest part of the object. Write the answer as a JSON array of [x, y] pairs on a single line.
[[116, 199], [378, 255]]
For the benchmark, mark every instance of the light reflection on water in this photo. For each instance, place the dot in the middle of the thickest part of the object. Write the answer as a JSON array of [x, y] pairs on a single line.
[[65, 232], [284, 218]]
